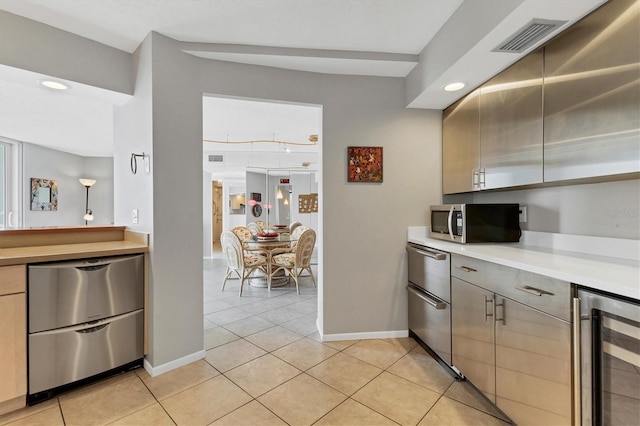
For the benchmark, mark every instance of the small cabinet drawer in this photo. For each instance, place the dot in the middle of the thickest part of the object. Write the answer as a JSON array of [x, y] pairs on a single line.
[[13, 279], [546, 294]]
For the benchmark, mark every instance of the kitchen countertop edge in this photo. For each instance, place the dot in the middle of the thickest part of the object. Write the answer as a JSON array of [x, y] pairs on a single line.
[[612, 275]]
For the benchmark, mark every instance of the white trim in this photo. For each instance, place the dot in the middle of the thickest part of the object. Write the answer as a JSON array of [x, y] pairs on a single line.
[[364, 335], [172, 365]]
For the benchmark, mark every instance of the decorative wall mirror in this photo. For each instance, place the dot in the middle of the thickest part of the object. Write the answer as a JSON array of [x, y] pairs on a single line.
[[44, 194]]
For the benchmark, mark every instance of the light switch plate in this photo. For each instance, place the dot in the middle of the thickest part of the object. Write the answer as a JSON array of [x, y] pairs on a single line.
[[523, 214], [134, 216]]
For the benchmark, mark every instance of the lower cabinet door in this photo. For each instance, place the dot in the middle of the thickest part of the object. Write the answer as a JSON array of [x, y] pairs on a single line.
[[473, 338], [533, 365], [61, 356], [13, 352]]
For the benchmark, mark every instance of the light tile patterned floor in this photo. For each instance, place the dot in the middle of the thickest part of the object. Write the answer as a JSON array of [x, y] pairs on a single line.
[[265, 365]]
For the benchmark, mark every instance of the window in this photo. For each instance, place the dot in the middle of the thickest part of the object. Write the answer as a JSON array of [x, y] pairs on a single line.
[[10, 194]]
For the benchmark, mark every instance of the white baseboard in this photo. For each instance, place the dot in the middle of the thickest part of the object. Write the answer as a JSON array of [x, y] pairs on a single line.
[[365, 335], [172, 365]]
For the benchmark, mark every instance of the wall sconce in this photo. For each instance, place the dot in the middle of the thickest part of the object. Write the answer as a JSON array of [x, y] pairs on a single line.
[[88, 214]]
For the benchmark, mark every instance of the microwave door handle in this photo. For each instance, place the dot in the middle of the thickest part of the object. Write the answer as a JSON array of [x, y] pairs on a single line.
[[449, 224]]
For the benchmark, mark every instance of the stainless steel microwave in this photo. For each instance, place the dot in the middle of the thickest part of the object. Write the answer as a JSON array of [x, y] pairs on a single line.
[[476, 223]]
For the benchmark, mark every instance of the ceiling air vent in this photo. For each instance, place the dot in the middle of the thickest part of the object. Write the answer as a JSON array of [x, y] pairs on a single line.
[[216, 158], [528, 35]]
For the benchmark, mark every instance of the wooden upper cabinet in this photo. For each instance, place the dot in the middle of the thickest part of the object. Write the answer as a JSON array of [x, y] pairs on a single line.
[[592, 96]]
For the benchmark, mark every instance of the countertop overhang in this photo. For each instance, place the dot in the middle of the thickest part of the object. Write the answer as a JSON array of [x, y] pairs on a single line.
[[620, 276], [33, 245]]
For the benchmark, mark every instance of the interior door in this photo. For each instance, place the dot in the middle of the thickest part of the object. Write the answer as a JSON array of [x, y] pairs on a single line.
[[473, 336], [217, 211]]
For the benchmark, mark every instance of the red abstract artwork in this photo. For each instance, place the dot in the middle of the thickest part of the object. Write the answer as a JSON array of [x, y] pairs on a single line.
[[365, 164]]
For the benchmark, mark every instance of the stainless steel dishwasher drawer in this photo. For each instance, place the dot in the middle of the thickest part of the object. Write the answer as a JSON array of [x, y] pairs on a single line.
[[430, 320], [75, 292], [65, 355]]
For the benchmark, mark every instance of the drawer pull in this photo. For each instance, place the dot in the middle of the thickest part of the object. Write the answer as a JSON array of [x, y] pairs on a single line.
[[430, 300], [534, 291], [431, 254], [466, 269]]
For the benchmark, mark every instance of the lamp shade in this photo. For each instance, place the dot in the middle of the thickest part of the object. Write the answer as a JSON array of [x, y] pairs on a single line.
[[87, 182]]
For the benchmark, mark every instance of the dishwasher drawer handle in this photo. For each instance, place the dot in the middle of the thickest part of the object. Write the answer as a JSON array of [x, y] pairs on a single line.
[[430, 300], [93, 329], [466, 269], [533, 290], [432, 254], [92, 268]]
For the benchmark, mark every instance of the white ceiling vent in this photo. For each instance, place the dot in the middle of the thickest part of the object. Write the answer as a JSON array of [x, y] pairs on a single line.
[[528, 35], [216, 158]]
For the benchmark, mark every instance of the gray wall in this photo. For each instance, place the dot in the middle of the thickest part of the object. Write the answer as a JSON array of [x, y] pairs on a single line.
[[45, 163], [608, 209], [207, 211]]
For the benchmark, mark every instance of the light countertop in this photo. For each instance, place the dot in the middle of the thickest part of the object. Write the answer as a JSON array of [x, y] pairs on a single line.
[[616, 272]]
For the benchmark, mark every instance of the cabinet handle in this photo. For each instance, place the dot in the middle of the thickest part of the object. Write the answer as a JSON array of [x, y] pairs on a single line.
[[493, 308], [495, 312], [577, 367], [431, 254], [475, 178], [533, 290], [481, 178], [466, 269], [430, 300]]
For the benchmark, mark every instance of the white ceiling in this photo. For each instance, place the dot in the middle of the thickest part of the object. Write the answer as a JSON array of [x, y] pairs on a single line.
[[357, 37]]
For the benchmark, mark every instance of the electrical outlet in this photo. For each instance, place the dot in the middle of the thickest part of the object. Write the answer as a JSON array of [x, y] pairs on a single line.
[[523, 214], [134, 216]]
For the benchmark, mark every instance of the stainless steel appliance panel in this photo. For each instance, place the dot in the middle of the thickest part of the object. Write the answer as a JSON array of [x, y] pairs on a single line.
[[547, 294], [533, 365], [430, 320], [65, 355], [511, 125], [473, 335], [430, 270], [461, 145], [75, 292], [608, 359], [592, 96]]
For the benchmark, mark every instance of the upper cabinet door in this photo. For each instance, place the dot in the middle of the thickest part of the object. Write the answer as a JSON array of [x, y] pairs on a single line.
[[511, 125], [592, 96], [460, 145]]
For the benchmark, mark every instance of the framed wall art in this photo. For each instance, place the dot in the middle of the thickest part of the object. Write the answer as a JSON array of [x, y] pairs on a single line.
[[308, 203], [364, 164], [44, 194]]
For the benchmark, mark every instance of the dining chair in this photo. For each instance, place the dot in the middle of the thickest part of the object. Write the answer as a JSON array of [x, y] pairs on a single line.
[[260, 224], [297, 261], [239, 261], [244, 234], [254, 228], [294, 225]]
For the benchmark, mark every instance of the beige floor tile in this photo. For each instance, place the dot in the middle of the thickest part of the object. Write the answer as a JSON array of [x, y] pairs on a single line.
[[305, 353], [406, 342], [206, 402], [217, 336], [344, 373], [233, 354], [150, 416], [376, 352], [302, 400], [247, 326], [465, 393], [48, 417], [28, 411], [353, 413], [106, 401], [273, 338], [174, 381], [420, 367], [337, 344], [399, 399], [449, 412], [251, 414], [262, 374]]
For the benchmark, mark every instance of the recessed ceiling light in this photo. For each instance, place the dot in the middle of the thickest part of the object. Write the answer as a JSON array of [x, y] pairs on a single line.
[[452, 87], [55, 85]]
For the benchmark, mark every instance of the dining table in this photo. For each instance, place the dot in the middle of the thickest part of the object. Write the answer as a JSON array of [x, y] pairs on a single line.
[[268, 245]]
